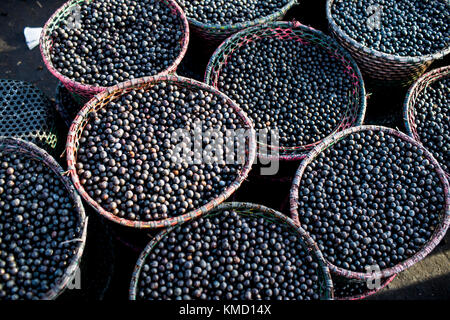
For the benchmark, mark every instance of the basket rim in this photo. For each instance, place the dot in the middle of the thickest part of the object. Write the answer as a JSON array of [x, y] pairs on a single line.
[[369, 293], [430, 244], [373, 52], [243, 25], [229, 190], [409, 104], [91, 90], [34, 152], [299, 152], [306, 239]]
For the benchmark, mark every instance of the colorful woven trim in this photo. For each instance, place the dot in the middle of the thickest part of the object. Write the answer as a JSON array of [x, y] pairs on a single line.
[[413, 94], [388, 69], [248, 209], [216, 32], [112, 93], [29, 149], [295, 31], [81, 92], [438, 234]]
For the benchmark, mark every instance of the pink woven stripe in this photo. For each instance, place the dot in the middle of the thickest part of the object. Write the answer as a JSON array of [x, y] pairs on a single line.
[[93, 104]]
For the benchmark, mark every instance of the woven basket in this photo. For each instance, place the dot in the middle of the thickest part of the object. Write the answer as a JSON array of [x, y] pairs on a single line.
[[438, 234], [26, 113], [294, 31], [258, 211], [215, 33], [115, 92], [413, 94], [385, 69], [66, 106], [82, 92], [384, 283], [15, 145]]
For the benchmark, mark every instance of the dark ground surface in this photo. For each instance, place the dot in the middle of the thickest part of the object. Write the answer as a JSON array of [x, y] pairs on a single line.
[[110, 263]]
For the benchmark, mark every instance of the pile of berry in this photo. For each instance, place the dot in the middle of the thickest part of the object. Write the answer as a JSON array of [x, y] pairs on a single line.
[[230, 11], [432, 118], [38, 225], [117, 40], [131, 155], [399, 27], [229, 256], [298, 88], [370, 199]]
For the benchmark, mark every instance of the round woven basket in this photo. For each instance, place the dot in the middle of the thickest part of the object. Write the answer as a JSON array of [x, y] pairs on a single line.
[[356, 109], [438, 234], [409, 111], [82, 92], [215, 33], [385, 69], [384, 283], [113, 93], [15, 145], [66, 111], [257, 211]]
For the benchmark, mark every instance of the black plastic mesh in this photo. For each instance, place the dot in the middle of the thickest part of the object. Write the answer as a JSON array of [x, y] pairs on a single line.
[[25, 112]]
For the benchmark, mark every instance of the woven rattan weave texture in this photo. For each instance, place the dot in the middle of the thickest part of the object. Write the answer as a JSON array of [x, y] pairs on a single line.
[[256, 211], [81, 92], [439, 232], [385, 69], [26, 113], [113, 93], [409, 111], [8, 144], [295, 31]]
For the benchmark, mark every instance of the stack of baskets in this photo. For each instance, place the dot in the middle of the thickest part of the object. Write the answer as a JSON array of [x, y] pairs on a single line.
[[87, 99]]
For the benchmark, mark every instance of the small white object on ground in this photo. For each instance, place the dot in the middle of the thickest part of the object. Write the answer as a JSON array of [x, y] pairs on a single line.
[[32, 36]]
